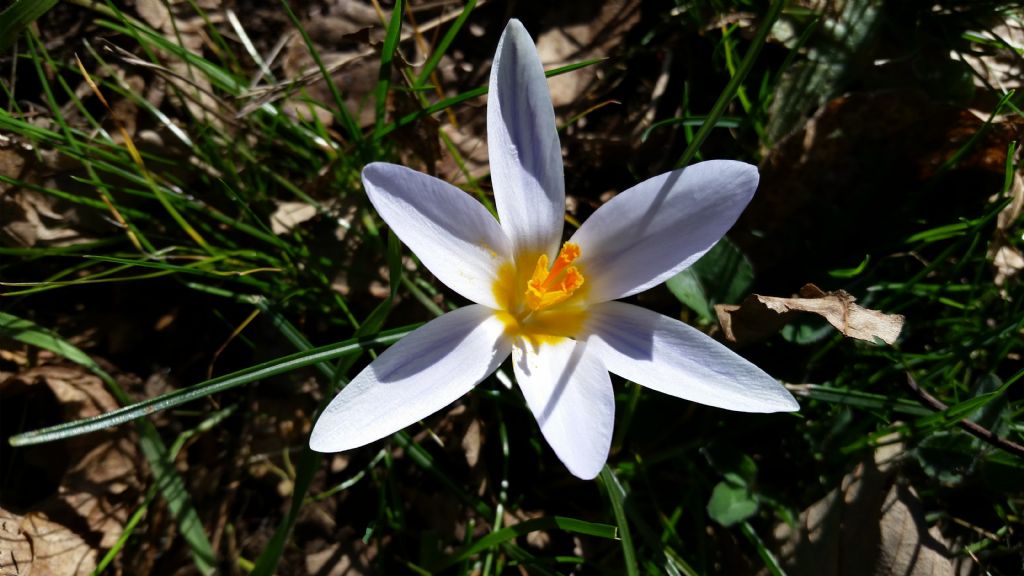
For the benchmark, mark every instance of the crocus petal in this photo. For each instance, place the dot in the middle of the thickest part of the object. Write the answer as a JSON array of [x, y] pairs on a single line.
[[525, 155], [422, 373], [654, 230], [454, 236], [569, 392], [671, 357]]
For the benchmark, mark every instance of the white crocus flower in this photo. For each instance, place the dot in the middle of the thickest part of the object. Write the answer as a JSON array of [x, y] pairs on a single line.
[[549, 306]]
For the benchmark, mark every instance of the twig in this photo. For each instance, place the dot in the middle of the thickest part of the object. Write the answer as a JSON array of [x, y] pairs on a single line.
[[972, 428]]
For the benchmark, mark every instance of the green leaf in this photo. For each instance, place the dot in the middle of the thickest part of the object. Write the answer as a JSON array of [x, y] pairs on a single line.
[[687, 288], [737, 467], [387, 56], [948, 456], [442, 47], [731, 504], [617, 496], [723, 275], [718, 109]]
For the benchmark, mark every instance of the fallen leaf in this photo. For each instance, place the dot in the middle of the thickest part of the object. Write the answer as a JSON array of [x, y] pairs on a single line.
[[868, 525], [909, 547], [760, 316], [16, 551], [29, 218], [54, 548], [1006, 259], [582, 32], [471, 443], [289, 215], [996, 66], [100, 485], [1008, 262]]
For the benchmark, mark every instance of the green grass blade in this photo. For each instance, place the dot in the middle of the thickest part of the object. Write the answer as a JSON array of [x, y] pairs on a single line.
[[770, 562], [547, 523], [266, 564], [28, 332], [387, 56], [204, 389], [442, 46], [734, 83], [355, 134], [617, 496], [17, 16], [469, 95]]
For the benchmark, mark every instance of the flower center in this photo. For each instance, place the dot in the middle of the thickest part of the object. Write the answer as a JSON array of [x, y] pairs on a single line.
[[540, 307], [546, 287]]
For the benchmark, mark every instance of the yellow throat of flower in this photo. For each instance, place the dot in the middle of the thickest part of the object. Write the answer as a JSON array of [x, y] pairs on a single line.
[[538, 307]]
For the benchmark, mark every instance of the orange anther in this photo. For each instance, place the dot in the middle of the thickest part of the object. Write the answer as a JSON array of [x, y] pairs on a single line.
[[549, 287]]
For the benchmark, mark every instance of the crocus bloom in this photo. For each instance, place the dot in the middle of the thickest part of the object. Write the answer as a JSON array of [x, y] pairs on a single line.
[[550, 305]]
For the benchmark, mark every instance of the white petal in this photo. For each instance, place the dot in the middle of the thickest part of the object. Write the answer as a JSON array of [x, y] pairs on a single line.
[[526, 157], [654, 230], [569, 392], [671, 357], [454, 236], [424, 372]]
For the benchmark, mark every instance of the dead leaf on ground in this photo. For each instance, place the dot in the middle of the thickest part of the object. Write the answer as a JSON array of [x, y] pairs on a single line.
[[1006, 259], [34, 545], [289, 215], [351, 559], [996, 66], [29, 218], [574, 37], [761, 316], [16, 551], [868, 525], [66, 530], [1008, 262]]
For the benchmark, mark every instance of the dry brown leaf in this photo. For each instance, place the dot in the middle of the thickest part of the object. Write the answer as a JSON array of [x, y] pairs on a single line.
[[32, 545], [869, 525], [1008, 262], [471, 443], [28, 218], [998, 68], [350, 557], [1006, 259], [289, 215], [909, 548], [97, 492], [760, 316], [15, 548], [154, 12], [575, 36]]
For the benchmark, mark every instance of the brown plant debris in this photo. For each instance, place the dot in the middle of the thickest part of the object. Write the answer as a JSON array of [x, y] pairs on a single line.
[[761, 316], [65, 530], [868, 525]]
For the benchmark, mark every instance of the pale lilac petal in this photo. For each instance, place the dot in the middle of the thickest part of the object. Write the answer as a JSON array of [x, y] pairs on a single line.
[[526, 157], [657, 228], [671, 357], [421, 374], [569, 392], [454, 236]]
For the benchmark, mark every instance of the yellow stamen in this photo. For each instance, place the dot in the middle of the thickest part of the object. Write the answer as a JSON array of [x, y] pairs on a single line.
[[550, 287]]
